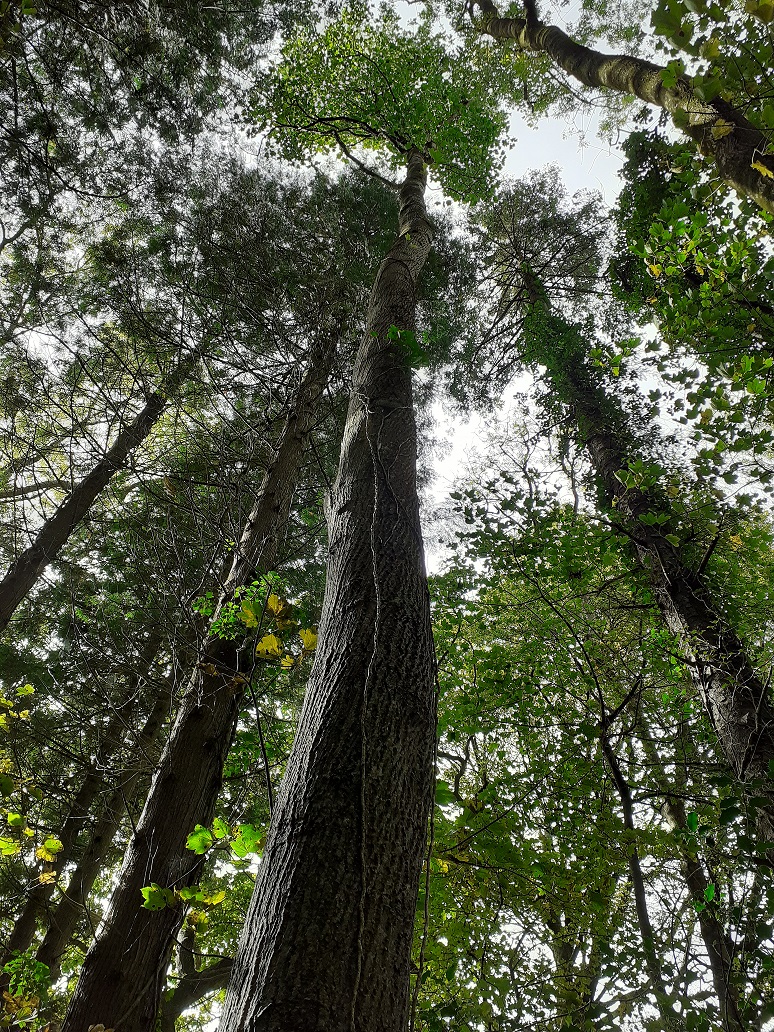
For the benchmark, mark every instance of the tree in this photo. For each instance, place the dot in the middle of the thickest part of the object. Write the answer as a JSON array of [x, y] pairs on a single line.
[[735, 696], [737, 145], [591, 860], [124, 988]]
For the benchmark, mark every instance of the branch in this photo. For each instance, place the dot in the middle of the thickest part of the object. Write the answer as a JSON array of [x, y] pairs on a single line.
[[362, 166], [191, 988]]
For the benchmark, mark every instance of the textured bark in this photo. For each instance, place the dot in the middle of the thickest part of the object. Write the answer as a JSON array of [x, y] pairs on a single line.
[[63, 919], [327, 941], [733, 153], [25, 926], [123, 974], [737, 701]]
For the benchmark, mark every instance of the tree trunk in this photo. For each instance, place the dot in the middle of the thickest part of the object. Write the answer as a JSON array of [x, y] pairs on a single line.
[[64, 918], [193, 984], [53, 535], [735, 698], [670, 1017], [24, 928], [327, 941], [720, 948], [122, 976], [734, 152]]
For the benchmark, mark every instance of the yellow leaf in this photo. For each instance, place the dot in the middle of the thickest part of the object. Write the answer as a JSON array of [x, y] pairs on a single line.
[[722, 128], [47, 877], [274, 604], [248, 615], [736, 542], [308, 639], [750, 327], [269, 647], [763, 169], [43, 854], [218, 897], [655, 269], [287, 662]]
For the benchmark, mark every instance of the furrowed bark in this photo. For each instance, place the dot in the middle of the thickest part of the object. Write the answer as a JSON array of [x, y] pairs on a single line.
[[327, 941], [123, 974], [737, 702], [733, 152], [53, 535], [64, 917]]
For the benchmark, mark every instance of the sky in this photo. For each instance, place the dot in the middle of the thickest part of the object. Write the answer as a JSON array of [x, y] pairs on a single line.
[[587, 162]]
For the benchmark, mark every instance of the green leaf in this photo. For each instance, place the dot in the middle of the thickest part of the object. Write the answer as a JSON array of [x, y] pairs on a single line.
[[246, 841], [709, 893], [191, 892], [9, 847], [220, 828], [692, 820], [443, 794], [7, 784], [155, 897], [199, 840]]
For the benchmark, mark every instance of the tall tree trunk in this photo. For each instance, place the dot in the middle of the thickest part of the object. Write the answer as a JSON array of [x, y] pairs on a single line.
[[719, 945], [93, 782], [737, 701], [327, 941], [670, 1017], [734, 152], [123, 974], [53, 535], [63, 919]]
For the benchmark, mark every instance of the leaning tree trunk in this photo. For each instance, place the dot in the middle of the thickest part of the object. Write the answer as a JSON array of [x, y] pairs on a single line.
[[669, 1016], [719, 945], [25, 926], [327, 941], [123, 974], [737, 701], [23, 573], [737, 147], [64, 917]]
